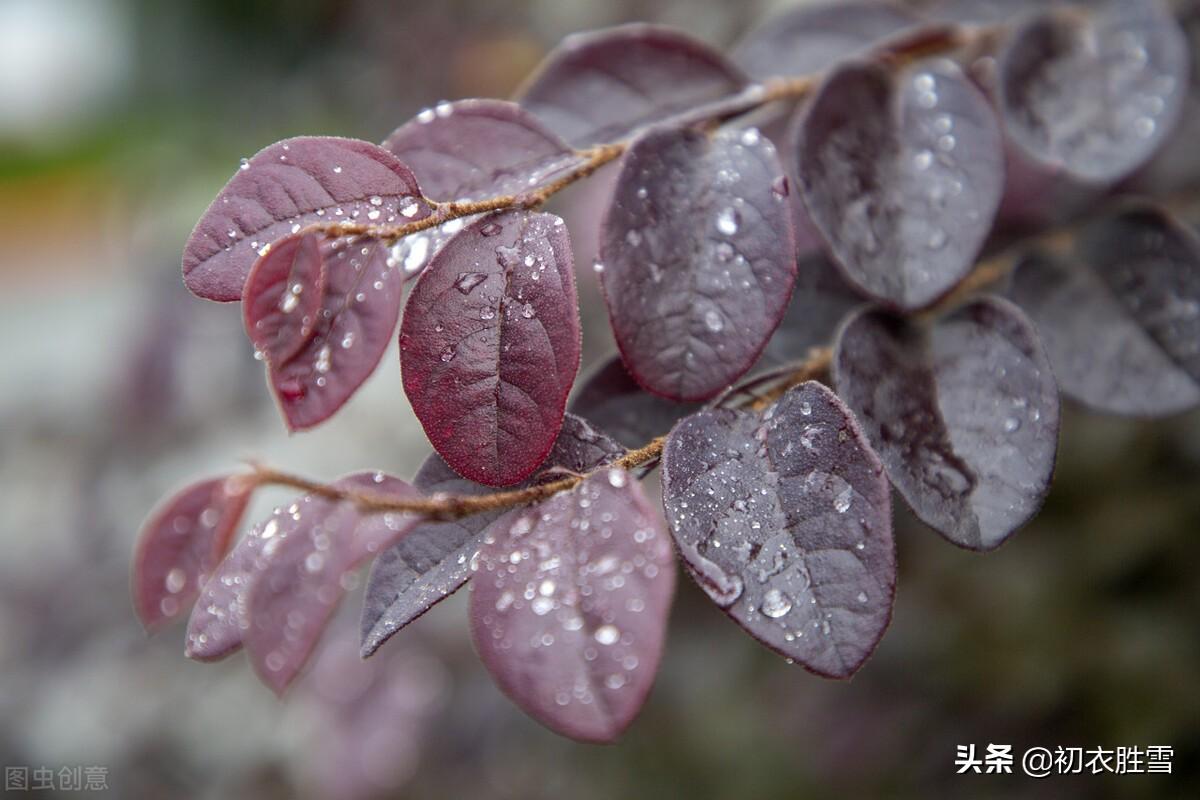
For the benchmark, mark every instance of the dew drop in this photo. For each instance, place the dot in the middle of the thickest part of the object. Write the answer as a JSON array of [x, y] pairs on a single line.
[[728, 221], [176, 580], [468, 281], [775, 604], [607, 634], [713, 321]]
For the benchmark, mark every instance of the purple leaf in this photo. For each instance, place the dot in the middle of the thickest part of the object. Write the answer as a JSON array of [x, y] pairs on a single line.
[[569, 606], [282, 300], [902, 173], [1095, 92], [303, 571], [808, 39], [284, 187], [697, 258], [360, 303], [434, 559], [1093, 316], [181, 543], [475, 149], [605, 85], [820, 300], [490, 345], [784, 519], [611, 399], [964, 414], [1151, 264]]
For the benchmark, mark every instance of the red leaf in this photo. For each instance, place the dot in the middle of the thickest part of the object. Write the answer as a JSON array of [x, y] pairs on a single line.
[[360, 302], [304, 571], [289, 185], [490, 345], [283, 297], [569, 606], [181, 542]]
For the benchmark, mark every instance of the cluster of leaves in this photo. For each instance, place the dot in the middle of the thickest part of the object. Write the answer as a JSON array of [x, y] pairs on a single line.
[[816, 204]]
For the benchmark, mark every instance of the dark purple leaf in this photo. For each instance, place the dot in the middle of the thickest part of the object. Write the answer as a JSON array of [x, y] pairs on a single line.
[[303, 571], [809, 38], [902, 172], [611, 399], [181, 543], [475, 149], [1095, 92], [281, 304], [697, 258], [602, 86], [569, 606], [434, 559], [490, 345], [784, 519], [1102, 356], [360, 303], [819, 302], [1151, 263], [963, 413], [289, 185]]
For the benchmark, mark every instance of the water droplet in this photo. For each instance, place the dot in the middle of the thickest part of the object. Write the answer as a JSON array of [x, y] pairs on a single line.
[[728, 221], [543, 606], [527, 311], [713, 321], [490, 229], [775, 604], [1012, 424], [468, 281], [751, 137], [375, 200], [607, 634], [487, 312], [176, 580], [633, 237], [841, 503], [244, 164], [616, 478], [410, 208]]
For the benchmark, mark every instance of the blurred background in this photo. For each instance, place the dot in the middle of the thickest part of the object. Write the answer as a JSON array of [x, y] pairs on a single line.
[[119, 121]]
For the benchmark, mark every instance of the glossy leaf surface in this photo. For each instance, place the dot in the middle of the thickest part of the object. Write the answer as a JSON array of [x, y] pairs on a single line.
[[181, 544], [284, 187], [360, 303], [474, 149], [697, 258], [284, 293], [902, 172], [490, 345], [433, 560], [811, 37], [1095, 92], [305, 568], [602, 86], [1151, 264], [612, 399], [569, 606], [784, 519], [964, 414]]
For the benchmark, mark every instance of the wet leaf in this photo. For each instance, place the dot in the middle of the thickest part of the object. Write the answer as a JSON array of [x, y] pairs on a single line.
[[181, 543], [1094, 92], [902, 173], [434, 559], [784, 519], [360, 303], [475, 149], [490, 345], [284, 187], [810, 38], [305, 568], [612, 400], [569, 606], [284, 293], [1096, 316], [1151, 264], [697, 258], [604, 85], [964, 414]]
